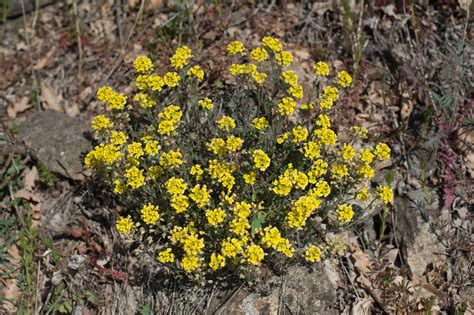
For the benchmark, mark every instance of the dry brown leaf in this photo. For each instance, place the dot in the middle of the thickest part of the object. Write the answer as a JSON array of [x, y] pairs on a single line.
[[28, 195], [362, 306], [465, 4], [30, 177], [11, 292], [154, 4], [36, 214], [361, 261], [43, 61], [18, 107], [321, 7], [73, 110], [50, 99]]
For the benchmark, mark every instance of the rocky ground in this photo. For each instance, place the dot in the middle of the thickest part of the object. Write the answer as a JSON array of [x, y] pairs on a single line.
[[412, 63]]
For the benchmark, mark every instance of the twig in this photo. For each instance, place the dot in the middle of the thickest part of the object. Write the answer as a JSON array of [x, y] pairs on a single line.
[[221, 307], [32, 62], [78, 38]]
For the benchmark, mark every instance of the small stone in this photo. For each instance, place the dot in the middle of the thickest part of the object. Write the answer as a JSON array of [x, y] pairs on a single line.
[[58, 141], [55, 193], [76, 262]]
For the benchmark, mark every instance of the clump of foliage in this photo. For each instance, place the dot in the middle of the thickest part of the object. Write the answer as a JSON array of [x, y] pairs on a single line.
[[226, 182]]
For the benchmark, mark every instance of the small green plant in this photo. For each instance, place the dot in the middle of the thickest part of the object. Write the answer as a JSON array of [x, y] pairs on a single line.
[[45, 174], [239, 177]]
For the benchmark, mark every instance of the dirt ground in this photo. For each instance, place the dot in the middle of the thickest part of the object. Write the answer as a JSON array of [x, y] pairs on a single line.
[[412, 66]]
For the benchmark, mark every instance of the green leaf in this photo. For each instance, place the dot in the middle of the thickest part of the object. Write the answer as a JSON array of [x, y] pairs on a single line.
[[145, 310], [91, 296], [257, 222]]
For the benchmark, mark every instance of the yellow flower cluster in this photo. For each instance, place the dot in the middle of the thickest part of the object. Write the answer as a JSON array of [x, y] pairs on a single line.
[[385, 194], [345, 213], [230, 181], [115, 100], [235, 47], [181, 57], [312, 254], [101, 123], [197, 72], [143, 64], [149, 214]]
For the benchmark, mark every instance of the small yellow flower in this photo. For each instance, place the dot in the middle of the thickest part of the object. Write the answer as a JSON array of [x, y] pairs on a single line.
[[312, 254], [261, 160], [197, 72], [144, 100], [171, 79], [149, 214], [181, 57], [287, 106], [217, 262], [176, 186], [344, 79], [300, 134], [321, 68], [101, 123], [385, 194], [382, 151], [272, 43], [363, 195], [254, 254], [124, 225], [260, 123], [259, 54], [226, 123], [216, 216], [345, 213], [197, 171], [235, 47], [347, 152], [250, 178], [284, 58], [166, 256], [143, 64], [206, 103]]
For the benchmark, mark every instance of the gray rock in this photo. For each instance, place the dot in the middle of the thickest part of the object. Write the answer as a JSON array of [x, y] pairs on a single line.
[[303, 292], [420, 245], [58, 141]]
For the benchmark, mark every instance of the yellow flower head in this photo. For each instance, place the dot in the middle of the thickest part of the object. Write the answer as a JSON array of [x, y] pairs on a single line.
[[385, 194], [216, 216], [286, 106], [176, 186], [254, 254], [344, 79], [284, 58], [261, 159], [300, 134], [206, 103], [197, 72], [272, 43], [149, 214], [181, 57], [312, 254], [171, 79], [124, 225], [382, 151], [260, 123], [321, 68], [101, 123], [259, 54], [166, 256], [143, 64], [345, 213], [226, 123], [235, 47]]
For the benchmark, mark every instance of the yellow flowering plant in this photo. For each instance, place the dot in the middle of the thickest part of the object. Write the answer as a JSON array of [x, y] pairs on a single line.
[[228, 180]]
